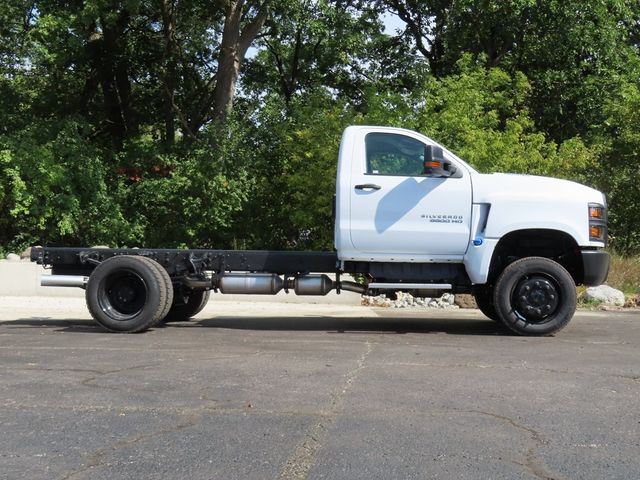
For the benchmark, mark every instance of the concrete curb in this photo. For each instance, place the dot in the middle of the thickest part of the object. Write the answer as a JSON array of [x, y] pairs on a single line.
[[22, 279]]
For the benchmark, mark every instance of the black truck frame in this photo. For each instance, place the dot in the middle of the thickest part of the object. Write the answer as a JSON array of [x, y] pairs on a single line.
[[130, 290]]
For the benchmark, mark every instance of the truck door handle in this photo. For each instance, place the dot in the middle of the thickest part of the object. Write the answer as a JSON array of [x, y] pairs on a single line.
[[366, 186]]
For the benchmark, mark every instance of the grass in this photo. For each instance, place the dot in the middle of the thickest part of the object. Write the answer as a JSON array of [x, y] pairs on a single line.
[[624, 274]]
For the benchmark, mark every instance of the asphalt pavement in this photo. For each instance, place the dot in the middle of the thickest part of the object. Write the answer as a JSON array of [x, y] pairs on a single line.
[[317, 391]]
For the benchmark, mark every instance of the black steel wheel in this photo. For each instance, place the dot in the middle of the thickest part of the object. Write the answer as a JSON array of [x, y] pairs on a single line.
[[128, 293], [185, 307], [535, 296], [483, 295]]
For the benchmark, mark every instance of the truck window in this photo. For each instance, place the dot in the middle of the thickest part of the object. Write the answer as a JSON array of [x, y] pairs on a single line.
[[393, 154]]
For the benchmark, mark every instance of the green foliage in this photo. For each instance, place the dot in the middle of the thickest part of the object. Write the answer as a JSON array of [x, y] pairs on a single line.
[[107, 131], [57, 190], [482, 115], [322, 44], [574, 52], [295, 168], [619, 169], [195, 203]]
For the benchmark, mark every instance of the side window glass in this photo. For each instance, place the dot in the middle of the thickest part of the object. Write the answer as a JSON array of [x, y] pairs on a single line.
[[393, 154]]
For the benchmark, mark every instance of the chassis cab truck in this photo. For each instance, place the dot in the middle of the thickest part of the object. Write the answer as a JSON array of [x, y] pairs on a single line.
[[409, 216]]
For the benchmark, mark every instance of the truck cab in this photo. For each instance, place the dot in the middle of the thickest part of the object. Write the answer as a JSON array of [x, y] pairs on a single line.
[[389, 207], [407, 202]]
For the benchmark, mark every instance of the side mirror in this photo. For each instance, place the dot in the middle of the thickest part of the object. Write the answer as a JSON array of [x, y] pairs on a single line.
[[435, 164]]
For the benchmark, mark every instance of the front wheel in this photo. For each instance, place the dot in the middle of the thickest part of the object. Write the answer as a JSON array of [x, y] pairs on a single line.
[[535, 296]]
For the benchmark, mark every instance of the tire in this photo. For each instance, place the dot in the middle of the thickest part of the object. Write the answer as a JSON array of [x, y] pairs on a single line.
[[535, 296], [182, 312], [483, 295], [128, 293], [168, 285]]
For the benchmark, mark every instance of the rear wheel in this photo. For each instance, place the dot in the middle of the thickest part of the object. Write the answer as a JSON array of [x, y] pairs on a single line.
[[128, 293], [185, 308], [167, 283], [535, 296], [483, 295]]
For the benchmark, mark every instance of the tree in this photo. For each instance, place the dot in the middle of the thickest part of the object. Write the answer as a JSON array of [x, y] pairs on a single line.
[[154, 122], [482, 115], [427, 23], [236, 40], [575, 53], [618, 172], [110, 54], [306, 46]]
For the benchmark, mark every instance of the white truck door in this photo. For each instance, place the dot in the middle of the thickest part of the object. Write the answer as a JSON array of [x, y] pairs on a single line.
[[395, 209]]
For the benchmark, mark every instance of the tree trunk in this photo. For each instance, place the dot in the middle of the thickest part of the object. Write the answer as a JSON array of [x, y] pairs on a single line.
[[112, 74], [169, 74], [233, 48]]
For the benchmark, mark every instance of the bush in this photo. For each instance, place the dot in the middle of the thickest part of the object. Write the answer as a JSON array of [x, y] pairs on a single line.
[[58, 189], [481, 115]]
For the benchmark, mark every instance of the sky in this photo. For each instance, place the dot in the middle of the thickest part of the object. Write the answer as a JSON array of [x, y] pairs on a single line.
[[392, 23]]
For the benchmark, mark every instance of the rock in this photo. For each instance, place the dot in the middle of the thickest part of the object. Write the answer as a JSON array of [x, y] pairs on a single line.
[[448, 298], [369, 301], [633, 302], [605, 294], [464, 300], [26, 255], [12, 257], [406, 300]]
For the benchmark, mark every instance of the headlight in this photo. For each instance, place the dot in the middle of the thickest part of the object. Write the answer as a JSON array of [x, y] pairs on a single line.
[[597, 223]]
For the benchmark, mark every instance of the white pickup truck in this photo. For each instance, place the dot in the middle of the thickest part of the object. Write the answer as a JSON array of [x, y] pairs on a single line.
[[410, 216]]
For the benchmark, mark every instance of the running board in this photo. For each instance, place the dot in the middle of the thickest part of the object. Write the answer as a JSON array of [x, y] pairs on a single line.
[[411, 286]]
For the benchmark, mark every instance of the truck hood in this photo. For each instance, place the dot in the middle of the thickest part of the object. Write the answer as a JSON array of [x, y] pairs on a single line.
[[526, 202], [489, 188]]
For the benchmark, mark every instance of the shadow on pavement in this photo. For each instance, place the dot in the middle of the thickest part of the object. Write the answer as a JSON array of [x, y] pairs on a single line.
[[383, 325], [75, 325], [340, 325]]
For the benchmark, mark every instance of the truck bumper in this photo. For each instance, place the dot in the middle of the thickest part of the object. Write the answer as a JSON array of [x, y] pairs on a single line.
[[596, 267]]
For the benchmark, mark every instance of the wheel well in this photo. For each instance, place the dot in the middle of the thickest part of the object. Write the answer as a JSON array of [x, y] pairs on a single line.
[[553, 244]]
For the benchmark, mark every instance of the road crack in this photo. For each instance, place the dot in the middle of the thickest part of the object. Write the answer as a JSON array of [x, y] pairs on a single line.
[[533, 464], [305, 454], [98, 457], [88, 382]]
